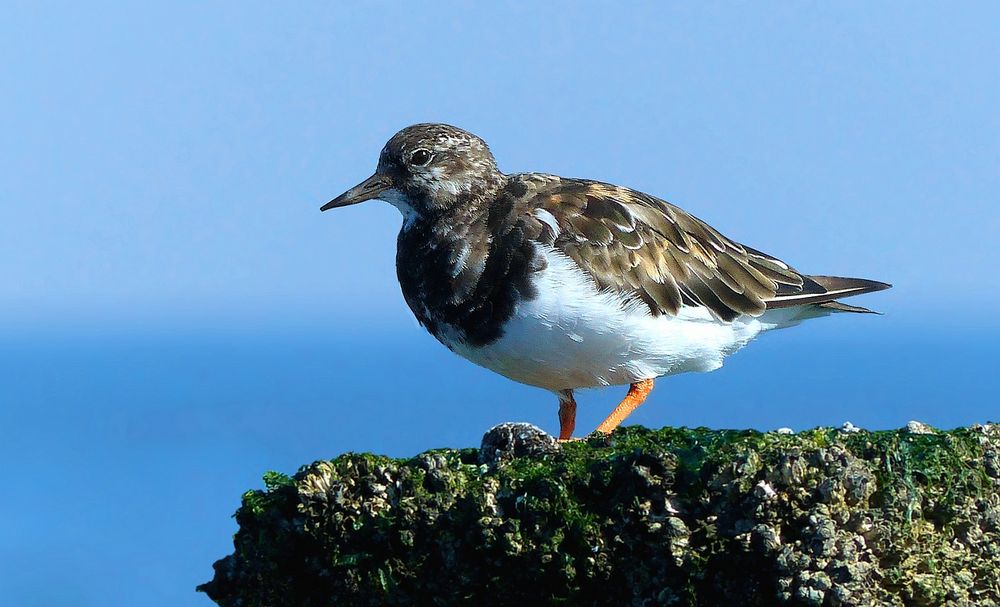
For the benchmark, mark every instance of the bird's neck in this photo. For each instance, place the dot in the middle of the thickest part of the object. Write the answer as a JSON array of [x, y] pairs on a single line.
[[455, 202]]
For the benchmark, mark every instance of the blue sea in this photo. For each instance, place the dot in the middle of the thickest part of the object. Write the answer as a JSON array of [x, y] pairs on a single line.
[[126, 452]]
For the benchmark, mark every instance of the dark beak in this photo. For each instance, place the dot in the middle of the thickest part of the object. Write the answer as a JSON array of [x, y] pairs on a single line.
[[366, 190]]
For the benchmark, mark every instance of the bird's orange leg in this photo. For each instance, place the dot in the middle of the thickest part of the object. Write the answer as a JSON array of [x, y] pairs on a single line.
[[637, 393], [567, 415]]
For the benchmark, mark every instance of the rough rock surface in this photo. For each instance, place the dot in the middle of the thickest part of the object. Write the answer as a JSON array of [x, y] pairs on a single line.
[[667, 517]]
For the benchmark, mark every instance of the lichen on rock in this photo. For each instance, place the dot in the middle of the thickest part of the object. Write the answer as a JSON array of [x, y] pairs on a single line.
[[667, 517]]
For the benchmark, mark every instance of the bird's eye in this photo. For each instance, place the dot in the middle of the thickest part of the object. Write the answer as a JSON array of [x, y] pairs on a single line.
[[420, 157]]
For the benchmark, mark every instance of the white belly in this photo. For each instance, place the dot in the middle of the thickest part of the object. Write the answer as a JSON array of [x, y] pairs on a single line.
[[574, 336]]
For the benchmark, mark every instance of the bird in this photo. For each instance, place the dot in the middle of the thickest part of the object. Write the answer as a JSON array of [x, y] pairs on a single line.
[[565, 283]]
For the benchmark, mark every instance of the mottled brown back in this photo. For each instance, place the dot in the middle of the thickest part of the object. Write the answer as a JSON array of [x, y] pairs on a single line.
[[636, 244]]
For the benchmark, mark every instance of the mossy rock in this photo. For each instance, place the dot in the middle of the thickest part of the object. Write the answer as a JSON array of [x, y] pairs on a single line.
[[667, 517]]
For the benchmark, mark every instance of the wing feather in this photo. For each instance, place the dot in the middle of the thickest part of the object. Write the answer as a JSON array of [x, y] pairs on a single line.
[[657, 253], [653, 251]]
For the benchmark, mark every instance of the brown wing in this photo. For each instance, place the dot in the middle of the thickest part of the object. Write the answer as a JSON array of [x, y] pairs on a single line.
[[641, 245]]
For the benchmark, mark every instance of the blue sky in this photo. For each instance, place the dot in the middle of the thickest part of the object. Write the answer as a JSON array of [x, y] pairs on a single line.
[[178, 317]]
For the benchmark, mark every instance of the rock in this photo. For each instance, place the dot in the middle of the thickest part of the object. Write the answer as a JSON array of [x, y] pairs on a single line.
[[505, 442], [915, 427], [849, 428], [764, 491], [666, 517]]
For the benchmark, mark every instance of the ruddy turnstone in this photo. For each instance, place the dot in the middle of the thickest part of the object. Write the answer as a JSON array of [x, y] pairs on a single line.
[[571, 283]]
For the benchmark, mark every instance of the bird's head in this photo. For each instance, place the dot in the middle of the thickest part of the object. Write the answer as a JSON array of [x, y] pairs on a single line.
[[427, 169]]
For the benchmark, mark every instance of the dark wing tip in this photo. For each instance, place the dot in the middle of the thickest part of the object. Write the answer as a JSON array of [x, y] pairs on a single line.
[[835, 287], [857, 286], [842, 307]]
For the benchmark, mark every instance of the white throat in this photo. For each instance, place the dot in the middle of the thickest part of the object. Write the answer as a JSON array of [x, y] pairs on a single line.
[[402, 203]]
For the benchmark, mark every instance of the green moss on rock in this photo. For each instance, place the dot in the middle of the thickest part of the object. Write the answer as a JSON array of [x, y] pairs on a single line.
[[667, 517]]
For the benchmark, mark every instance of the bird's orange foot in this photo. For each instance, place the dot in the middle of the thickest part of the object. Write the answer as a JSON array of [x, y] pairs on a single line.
[[637, 393]]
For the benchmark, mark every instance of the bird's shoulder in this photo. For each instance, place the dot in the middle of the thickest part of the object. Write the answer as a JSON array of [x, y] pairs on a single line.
[[645, 247]]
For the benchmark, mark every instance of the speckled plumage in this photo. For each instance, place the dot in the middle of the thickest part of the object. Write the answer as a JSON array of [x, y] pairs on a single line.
[[565, 283]]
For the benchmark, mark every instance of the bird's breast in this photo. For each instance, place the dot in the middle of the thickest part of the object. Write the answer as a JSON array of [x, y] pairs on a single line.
[[464, 289]]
